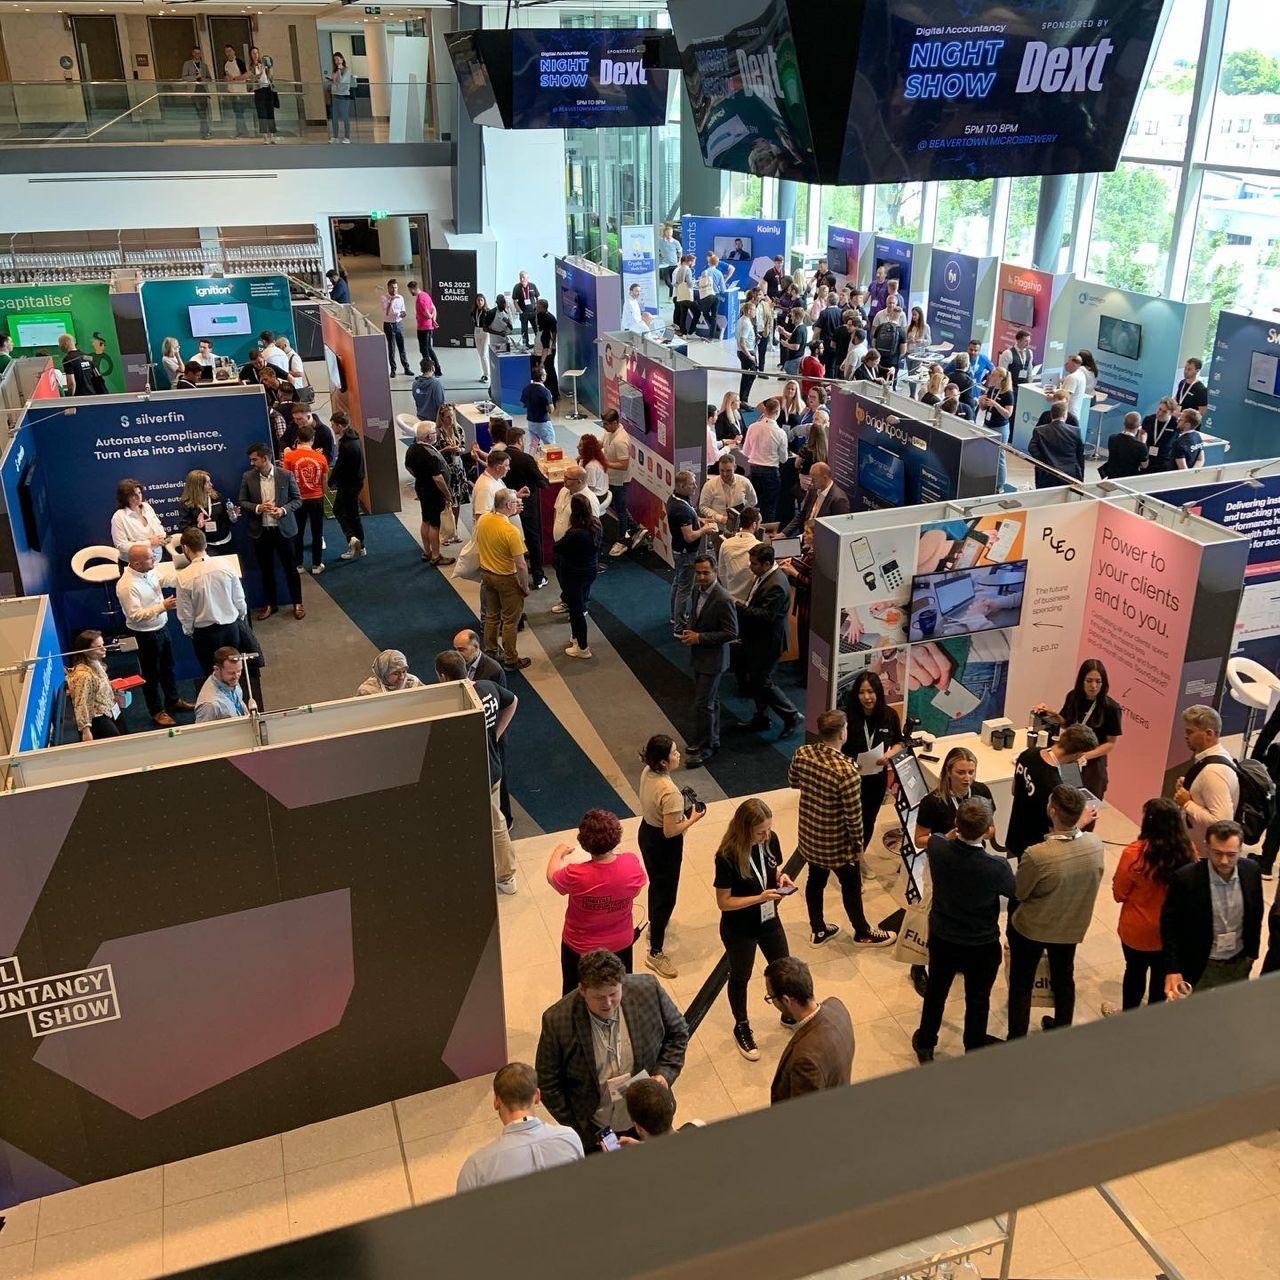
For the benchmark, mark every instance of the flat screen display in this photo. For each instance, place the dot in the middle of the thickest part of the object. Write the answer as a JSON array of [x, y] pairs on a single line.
[[33, 331], [1017, 308], [211, 319], [967, 601], [1264, 373], [631, 408], [882, 476], [838, 260], [1119, 337]]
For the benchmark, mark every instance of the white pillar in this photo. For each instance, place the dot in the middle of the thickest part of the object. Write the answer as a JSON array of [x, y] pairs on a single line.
[[393, 242]]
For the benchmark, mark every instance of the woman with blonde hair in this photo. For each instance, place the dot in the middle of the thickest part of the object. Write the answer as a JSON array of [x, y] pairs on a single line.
[[171, 359], [749, 884], [792, 406], [819, 303], [729, 425], [204, 508], [935, 384], [452, 446]]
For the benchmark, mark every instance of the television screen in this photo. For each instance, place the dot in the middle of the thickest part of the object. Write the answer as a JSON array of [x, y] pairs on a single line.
[[211, 319], [732, 248], [1017, 308], [967, 601], [1119, 337], [882, 476], [474, 81], [631, 408], [34, 331], [838, 260], [1264, 373]]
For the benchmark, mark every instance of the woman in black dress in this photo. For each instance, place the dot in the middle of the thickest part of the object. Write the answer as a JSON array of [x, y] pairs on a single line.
[[577, 563], [874, 730], [1088, 703], [202, 506]]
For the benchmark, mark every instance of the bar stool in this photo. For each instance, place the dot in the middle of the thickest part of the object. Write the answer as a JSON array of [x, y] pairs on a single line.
[[575, 374], [1253, 686], [100, 565]]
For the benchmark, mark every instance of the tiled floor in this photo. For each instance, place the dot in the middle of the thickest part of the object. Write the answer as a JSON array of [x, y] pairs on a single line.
[[1217, 1215]]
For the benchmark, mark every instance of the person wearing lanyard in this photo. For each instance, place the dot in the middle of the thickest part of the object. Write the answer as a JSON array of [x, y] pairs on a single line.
[[1161, 430], [765, 446], [135, 521], [749, 886], [874, 729], [1088, 703], [687, 531]]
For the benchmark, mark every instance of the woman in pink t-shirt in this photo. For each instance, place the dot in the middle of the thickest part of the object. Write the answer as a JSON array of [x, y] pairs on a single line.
[[600, 893]]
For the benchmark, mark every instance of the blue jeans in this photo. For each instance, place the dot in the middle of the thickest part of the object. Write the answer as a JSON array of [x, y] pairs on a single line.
[[767, 482], [1003, 429], [682, 586], [619, 508], [542, 431], [341, 112]]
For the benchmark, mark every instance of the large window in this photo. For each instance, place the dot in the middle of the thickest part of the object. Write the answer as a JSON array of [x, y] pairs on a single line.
[[841, 206], [1024, 208], [1158, 130], [964, 216], [746, 196], [898, 209], [1245, 128], [1133, 227]]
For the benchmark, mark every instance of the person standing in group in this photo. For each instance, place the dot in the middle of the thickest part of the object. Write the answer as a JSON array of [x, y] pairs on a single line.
[[95, 704], [765, 447], [340, 82], [524, 294], [310, 468], [504, 570], [1126, 453], [747, 353], [734, 564], [1036, 773], [236, 74], [1191, 392], [1140, 885], [687, 530], [711, 288], [830, 829], [528, 480], [1209, 792], [1018, 359], [1057, 445], [83, 378], [346, 480], [874, 730], [196, 75], [1075, 384], [220, 696], [548, 335], [668, 256], [749, 884], [135, 520], [712, 627], [967, 884], [684, 313], [819, 1054], [269, 497], [600, 892], [762, 625], [663, 822], [393, 313], [1056, 888], [725, 491], [425, 321], [425, 463], [617, 460], [201, 506], [575, 482], [577, 563], [1089, 703], [264, 93], [146, 613], [1188, 446], [1211, 922], [390, 674]]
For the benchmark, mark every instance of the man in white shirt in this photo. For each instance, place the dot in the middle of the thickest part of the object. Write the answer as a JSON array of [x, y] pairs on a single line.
[[617, 457], [1019, 359], [735, 551], [393, 309], [1073, 383], [723, 491], [575, 481], [526, 1144], [765, 448], [272, 354], [146, 610], [491, 482], [210, 602], [1210, 790], [746, 335], [634, 319]]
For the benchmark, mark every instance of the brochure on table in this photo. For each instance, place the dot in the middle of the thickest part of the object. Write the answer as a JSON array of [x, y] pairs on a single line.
[[962, 293], [1244, 384], [588, 304], [970, 611]]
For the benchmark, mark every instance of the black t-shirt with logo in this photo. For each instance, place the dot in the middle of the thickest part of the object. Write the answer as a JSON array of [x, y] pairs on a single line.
[[747, 921], [494, 699], [1033, 780]]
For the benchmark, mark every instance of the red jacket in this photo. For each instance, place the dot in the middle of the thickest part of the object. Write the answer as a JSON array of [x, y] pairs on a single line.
[[1141, 897]]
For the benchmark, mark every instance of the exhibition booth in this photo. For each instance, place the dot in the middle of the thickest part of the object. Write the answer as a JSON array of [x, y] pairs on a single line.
[[961, 299], [746, 248], [973, 611], [588, 304], [32, 675], [1244, 384], [176, 985]]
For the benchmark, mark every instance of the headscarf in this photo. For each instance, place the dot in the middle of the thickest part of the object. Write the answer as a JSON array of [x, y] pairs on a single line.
[[386, 664]]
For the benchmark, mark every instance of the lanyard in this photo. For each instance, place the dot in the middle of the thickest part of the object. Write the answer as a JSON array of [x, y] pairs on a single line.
[[761, 869], [1084, 719], [866, 733], [610, 1039]]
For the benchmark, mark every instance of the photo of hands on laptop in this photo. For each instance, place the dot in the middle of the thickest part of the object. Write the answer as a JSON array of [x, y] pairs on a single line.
[[965, 601]]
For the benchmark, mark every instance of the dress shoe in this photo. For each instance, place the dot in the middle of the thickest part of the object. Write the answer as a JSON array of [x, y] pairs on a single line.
[[299, 612], [923, 1055], [920, 980], [699, 760], [265, 612], [183, 705], [164, 720]]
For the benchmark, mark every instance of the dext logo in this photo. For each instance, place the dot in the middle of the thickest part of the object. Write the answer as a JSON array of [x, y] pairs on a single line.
[[759, 72]]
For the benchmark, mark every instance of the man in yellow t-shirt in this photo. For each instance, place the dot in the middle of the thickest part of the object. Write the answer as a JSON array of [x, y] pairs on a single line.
[[504, 576]]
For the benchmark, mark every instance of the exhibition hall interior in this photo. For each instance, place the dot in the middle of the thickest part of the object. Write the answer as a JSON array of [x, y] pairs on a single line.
[[613, 612]]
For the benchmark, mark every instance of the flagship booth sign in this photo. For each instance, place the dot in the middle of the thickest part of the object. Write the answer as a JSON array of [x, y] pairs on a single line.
[[63, 1002]]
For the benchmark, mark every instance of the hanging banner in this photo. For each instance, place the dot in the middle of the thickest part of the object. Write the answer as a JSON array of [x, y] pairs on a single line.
[[454, 289], [639, 266]]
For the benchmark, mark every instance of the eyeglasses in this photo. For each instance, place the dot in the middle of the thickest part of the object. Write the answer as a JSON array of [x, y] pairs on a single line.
[[768, 999]]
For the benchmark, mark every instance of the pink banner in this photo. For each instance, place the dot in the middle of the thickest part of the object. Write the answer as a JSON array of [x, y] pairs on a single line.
[[1024, 297], [1142, 585]]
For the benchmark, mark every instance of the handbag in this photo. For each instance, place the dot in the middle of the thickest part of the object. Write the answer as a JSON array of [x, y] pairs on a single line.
[[467, 565], [691, 801], [683, 292], [912, 945], [305, 394], [1042, 990]]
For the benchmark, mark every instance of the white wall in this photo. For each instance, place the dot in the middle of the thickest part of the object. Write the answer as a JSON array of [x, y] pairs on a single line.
[[524, 203]]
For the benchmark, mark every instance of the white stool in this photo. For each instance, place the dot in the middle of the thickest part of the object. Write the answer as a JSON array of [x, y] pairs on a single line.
[[408, 424], [99, 565], [1253, 686], [575, 374]]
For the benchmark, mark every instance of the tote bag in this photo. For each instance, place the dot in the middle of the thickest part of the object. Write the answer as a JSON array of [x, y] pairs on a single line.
[[467, 565], [912, 946]]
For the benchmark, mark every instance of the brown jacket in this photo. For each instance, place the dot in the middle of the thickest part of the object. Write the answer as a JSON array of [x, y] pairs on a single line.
[[820, 1055]]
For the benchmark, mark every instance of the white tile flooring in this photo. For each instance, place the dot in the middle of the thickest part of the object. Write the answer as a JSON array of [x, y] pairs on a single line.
[[1217, 1215]]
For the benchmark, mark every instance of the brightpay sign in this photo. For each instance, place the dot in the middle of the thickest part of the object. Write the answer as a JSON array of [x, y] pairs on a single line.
[[1045, 88]]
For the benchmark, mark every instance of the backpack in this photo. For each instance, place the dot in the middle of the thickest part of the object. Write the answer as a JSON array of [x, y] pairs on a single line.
[[1257, 804], [886, 337]]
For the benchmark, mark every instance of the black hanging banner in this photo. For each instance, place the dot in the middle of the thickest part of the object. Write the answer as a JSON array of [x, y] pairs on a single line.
[[453, 287]]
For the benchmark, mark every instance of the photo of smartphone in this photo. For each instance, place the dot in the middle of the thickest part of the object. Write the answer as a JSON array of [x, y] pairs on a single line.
[[863, 557], [609, 1140], [1000, 548], [970, 549]]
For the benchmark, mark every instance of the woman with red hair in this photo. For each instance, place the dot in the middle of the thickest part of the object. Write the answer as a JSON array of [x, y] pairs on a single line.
[[592, 460], [601, 892]]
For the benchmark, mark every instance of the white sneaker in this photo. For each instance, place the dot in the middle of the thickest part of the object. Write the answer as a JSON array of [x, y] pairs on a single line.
[[561, 607], [574, 652], [317, 570], [618, 549], [351, 554], [346, 142], [507, 886]]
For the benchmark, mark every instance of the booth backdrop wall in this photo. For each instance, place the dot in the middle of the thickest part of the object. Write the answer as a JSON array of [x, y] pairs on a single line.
[[238, 308], [42, 683], [857, 247], [761, 242], [961, 296], [1244, 385], [588, 304], [83, 310], [320, 940], [1022, 293], [897, 257], [453, 289]]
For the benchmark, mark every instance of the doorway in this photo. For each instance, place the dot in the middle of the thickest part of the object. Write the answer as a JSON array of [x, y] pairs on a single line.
[[357, 251], [172, 40], [101, 65], [235, 32]]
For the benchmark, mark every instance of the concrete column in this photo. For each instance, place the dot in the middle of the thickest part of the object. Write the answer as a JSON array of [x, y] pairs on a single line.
[[394, 246], [1051, 222]]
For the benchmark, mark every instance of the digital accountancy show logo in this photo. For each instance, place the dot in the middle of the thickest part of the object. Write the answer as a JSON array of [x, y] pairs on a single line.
[[63, 1002]]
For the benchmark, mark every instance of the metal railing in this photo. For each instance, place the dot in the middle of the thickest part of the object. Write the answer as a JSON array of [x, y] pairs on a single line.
[[132, 112]]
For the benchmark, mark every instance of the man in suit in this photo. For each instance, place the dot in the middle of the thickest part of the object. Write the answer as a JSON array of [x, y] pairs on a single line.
[[479, 665], [762, 623], [1211, 924], [269, 496], [596, 1039], [823, 498], [712, 627], [1160, 431], [819, 1054], [1059, 446], [1126, 454]]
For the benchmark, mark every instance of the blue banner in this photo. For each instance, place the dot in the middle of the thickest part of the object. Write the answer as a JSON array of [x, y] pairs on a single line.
[[639, 266], [746, 246], [1244, 385], [588, 304], [953, 287], [42, 684], [895, 256]]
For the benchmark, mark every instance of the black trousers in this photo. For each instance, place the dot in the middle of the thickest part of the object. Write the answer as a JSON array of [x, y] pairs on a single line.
[[684, 317], [740, 948], [551, 377], [264, 105], [766, 694], [394, 334], [874, 786], [569, 965], [427, 350], [528, 317], [748, 379], [1270, 845], [575, 592], [271, 546], [155, 657], [662, 857], [206, 641], [1024, 958], [106, 727], [665, 274], [310, 513], [850, 877], [531, 523], [706, 711], [1142, 969], [707, 309], [346, 510], [979, 966]]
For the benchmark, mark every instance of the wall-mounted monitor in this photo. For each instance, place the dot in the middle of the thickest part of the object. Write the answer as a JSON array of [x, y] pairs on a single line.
[[1017, 308], [838, 260], [882, 476], [213, 319], [631, 408], [1264, 373], [944, 605], [1119, 337], [39, 330]]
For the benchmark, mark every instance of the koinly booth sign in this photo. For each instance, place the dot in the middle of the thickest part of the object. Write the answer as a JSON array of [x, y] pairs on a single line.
[[62, 1002]]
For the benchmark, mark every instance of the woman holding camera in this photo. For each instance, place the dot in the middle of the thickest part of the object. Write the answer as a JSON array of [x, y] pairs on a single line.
[[1088, 703], [749, 885], [663, 821]]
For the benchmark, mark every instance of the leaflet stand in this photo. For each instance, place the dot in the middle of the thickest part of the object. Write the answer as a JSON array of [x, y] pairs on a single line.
[[910, 791]]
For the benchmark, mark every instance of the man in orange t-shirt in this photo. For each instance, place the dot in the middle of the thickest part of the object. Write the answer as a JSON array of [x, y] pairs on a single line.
[[310, 469]]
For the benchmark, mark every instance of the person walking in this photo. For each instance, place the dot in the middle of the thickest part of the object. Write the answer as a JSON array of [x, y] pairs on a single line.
[[310, 468], [346, 480], [712, 628], [874, 730], [687, 531], [425, 321], [749, 884], [762, 624], [663, 823], [577, 561]]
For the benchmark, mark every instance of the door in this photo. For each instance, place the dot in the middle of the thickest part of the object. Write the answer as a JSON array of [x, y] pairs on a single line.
[[235, 32], [172, 40], [106, 96]]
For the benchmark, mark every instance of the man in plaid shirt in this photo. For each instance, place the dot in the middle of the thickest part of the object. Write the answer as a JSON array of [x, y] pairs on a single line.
[[831, 829]]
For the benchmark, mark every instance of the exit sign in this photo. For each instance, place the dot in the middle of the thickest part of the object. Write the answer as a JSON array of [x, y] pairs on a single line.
[[377, 215], [373, 9]]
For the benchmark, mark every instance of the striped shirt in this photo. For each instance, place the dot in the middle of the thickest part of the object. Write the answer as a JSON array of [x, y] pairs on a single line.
[[830, 805]]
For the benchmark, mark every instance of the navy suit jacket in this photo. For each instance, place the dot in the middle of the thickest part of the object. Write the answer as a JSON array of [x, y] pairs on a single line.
[[287, 496]]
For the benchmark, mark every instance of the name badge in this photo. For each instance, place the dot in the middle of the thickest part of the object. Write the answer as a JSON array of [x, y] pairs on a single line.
[[768, 910], [1228, 941]]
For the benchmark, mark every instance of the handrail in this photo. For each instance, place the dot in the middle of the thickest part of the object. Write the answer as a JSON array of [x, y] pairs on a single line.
[[154, 97]]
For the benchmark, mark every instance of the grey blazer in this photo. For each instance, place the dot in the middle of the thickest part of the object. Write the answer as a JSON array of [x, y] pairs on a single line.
[[287, 496], [717, 625], [566, 1056]]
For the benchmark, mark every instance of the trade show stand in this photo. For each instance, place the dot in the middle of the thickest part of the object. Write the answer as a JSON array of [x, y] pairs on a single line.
[[1244, 384], [509, 374], [238, 928], [473, 417], [32, 674], [588, 304], [975, 610]]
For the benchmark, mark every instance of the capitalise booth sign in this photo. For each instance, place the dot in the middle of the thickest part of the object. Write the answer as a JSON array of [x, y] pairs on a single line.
[[936, 89]]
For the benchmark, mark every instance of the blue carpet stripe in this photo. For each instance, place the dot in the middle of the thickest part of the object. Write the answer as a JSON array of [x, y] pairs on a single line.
[[401, 603]]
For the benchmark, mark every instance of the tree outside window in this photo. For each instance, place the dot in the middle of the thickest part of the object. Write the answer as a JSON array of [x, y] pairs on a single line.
[[1133, 227], [964, 215]]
